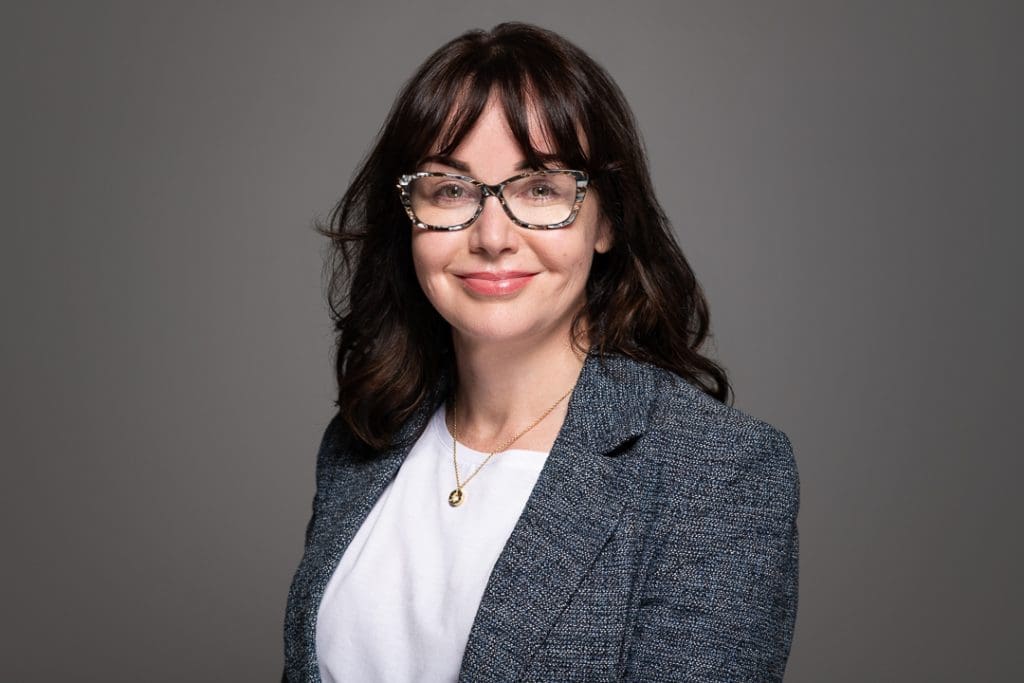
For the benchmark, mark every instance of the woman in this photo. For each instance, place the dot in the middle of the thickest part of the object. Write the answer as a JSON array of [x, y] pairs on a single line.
[[532, 474]]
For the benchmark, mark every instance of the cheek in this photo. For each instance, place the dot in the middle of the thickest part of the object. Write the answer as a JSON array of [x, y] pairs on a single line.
[[428, 259], [582, 270], [571, 255], [421, 262], [574, 262]]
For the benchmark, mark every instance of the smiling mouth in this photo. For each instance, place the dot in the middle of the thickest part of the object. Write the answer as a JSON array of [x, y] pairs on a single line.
[[495, 284]]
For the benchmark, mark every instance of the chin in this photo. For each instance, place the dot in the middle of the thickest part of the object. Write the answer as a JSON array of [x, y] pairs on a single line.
[[494, 334], [506, 331]]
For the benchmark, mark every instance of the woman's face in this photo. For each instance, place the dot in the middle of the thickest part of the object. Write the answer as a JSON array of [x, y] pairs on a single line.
[[495, 281]]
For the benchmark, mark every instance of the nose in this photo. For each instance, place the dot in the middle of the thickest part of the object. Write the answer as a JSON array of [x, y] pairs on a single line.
[[493, 233]]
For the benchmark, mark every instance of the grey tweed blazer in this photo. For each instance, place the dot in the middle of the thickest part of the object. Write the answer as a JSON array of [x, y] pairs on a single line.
[[658, 544]]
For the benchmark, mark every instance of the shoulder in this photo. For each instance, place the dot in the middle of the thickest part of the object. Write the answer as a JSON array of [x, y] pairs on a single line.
[[338, 447], [704, 451]]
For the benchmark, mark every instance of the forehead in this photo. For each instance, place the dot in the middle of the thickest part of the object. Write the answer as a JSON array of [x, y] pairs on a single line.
[[536, 133], [462, 127], [492, 135]]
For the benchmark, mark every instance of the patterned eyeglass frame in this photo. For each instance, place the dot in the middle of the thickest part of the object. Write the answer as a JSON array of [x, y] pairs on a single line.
[[582, 179]]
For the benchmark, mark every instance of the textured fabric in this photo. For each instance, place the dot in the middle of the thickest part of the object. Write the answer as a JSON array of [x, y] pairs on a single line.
[[434, 559], [658, 544]]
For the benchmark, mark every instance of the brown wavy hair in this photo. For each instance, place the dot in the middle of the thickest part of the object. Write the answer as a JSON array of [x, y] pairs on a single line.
[[642, 298]]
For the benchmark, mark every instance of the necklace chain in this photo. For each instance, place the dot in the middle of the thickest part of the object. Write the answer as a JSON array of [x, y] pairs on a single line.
[[456, 497]]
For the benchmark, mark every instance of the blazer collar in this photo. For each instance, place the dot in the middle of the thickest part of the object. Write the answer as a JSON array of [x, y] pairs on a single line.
[[580, 493]]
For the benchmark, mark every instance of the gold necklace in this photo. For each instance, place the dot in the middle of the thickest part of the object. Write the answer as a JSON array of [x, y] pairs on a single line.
[[458, 496]]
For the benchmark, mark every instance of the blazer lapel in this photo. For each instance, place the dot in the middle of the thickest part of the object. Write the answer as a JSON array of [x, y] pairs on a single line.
[[572, 510]]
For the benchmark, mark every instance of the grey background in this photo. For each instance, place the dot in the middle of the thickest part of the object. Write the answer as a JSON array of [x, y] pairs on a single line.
[[844, 176]]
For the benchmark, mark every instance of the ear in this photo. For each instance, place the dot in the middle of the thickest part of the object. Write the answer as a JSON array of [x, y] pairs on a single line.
[[605, 238]]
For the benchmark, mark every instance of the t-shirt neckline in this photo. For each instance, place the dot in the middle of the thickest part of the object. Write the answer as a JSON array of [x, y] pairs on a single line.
[[439, 426]]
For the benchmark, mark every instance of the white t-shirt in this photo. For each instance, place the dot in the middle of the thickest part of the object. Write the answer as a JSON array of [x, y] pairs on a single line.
[[400, 605]]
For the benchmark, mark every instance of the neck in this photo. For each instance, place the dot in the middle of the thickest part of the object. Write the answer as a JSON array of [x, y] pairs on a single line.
[[504, 388]]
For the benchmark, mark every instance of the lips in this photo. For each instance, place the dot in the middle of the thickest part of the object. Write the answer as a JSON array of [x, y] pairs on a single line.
[[496, 283]]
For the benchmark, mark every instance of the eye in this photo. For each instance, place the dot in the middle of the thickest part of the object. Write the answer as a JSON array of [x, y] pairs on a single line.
[[452, 192], [542, 191]]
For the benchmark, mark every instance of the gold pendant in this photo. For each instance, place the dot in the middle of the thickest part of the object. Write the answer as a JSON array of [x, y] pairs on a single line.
[[456, 497]]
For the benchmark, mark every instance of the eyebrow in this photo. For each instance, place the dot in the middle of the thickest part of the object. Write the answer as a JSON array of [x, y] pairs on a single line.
[[463, 167]]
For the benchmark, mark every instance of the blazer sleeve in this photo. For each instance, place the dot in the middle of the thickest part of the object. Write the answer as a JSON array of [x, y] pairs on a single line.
[[327, 443], [720, 596]]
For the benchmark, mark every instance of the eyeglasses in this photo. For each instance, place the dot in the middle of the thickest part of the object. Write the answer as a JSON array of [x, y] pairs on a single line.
[[540, 200]]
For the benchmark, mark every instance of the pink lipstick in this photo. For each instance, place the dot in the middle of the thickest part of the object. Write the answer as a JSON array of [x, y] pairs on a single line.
[[496, 283]]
